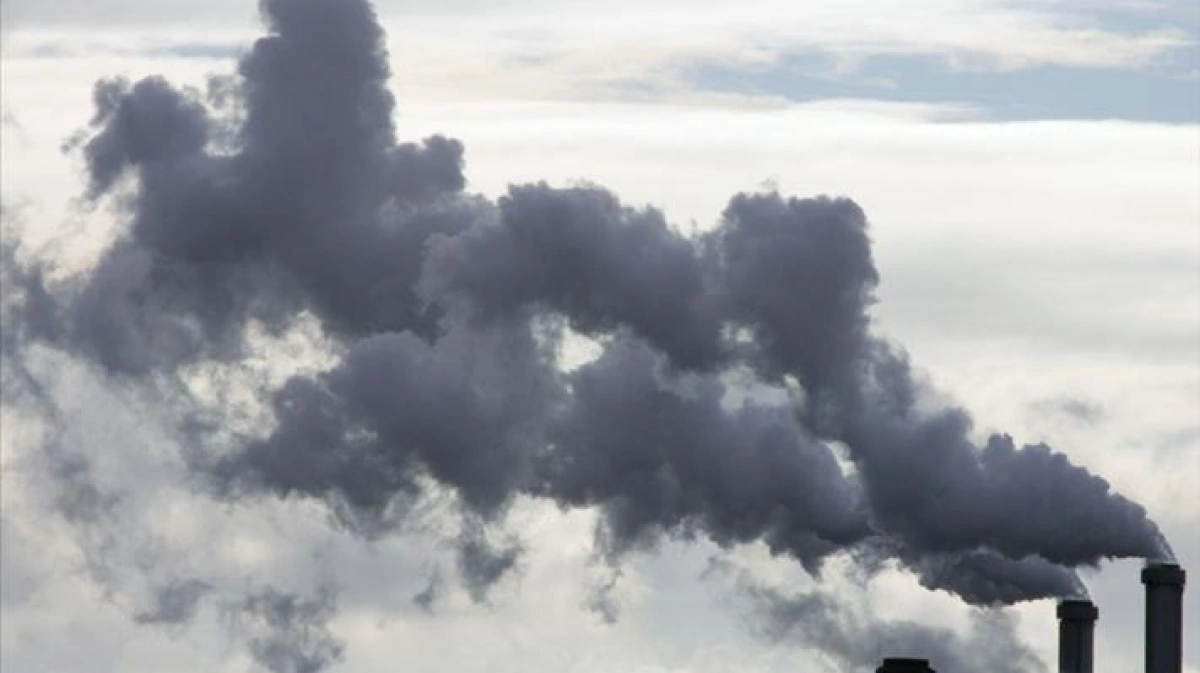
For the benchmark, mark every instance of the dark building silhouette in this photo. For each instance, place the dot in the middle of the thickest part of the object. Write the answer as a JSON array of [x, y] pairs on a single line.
[[1076, 633], [905, 666], [1164, 617]]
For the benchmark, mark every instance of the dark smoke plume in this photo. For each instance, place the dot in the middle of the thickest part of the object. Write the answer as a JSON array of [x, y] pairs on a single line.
[[282, 195], [661, 459]]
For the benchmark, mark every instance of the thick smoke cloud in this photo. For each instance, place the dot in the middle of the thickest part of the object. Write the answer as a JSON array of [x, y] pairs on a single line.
[[798, 274], [581, 254], [1018, 502], [283, 195], [317, 208], [660, 459], [465, 411], [986, 577]]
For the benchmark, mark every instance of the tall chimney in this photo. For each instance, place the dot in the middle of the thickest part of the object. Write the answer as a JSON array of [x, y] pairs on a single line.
[[1076, 627], [905, 666], [1164, 617]]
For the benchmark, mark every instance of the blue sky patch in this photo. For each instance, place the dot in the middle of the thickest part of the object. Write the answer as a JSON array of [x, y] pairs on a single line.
[[1165, 91]]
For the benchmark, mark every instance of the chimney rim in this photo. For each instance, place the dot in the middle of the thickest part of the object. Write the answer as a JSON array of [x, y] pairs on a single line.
[[1159, 574], [905, 665], [1078, 610]]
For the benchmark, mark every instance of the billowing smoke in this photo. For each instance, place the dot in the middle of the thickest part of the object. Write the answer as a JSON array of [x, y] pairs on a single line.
[[282, 195]]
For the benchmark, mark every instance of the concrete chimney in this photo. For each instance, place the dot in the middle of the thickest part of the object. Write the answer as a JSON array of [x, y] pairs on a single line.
[[1164, 617], [905, 666], [1076, 629]]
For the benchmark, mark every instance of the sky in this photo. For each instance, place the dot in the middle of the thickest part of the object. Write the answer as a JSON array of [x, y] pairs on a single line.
[[1030, 172]]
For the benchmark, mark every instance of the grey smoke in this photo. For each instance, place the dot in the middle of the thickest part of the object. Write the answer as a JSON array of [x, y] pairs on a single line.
[[283, 194], [1076, 410], [482, 563], [61, 473], [600, 599], [174, 603], [1019, 502], [218, 239], [987, 578], [465, 411], [857, 644], [287, 633], [659, 460], [28, 308], [580, 254], [428, 596]]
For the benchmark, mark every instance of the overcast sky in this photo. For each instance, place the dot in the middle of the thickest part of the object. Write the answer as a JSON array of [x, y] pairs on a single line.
[[1031, 173]]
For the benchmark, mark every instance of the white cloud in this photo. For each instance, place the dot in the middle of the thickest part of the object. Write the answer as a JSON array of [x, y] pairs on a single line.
[[533, 48]]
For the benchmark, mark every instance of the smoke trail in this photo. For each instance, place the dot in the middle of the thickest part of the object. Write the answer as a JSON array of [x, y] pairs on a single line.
[[448, 310], [857, 644]]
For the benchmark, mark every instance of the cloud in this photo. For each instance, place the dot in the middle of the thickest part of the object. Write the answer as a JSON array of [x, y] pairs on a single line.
[[537, 50], [1070, 409]]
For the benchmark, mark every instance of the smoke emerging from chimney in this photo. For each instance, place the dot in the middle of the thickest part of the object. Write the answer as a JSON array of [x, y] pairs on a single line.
[[282, 193]]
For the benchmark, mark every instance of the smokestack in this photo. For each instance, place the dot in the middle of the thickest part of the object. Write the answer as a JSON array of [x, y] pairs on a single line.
[[1076, 626], [905, 666], [1164, 617]]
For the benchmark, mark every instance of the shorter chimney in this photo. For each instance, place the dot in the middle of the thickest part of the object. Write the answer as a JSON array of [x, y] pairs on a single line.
[[905, 666], [1076, 629], [1164, 617]]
